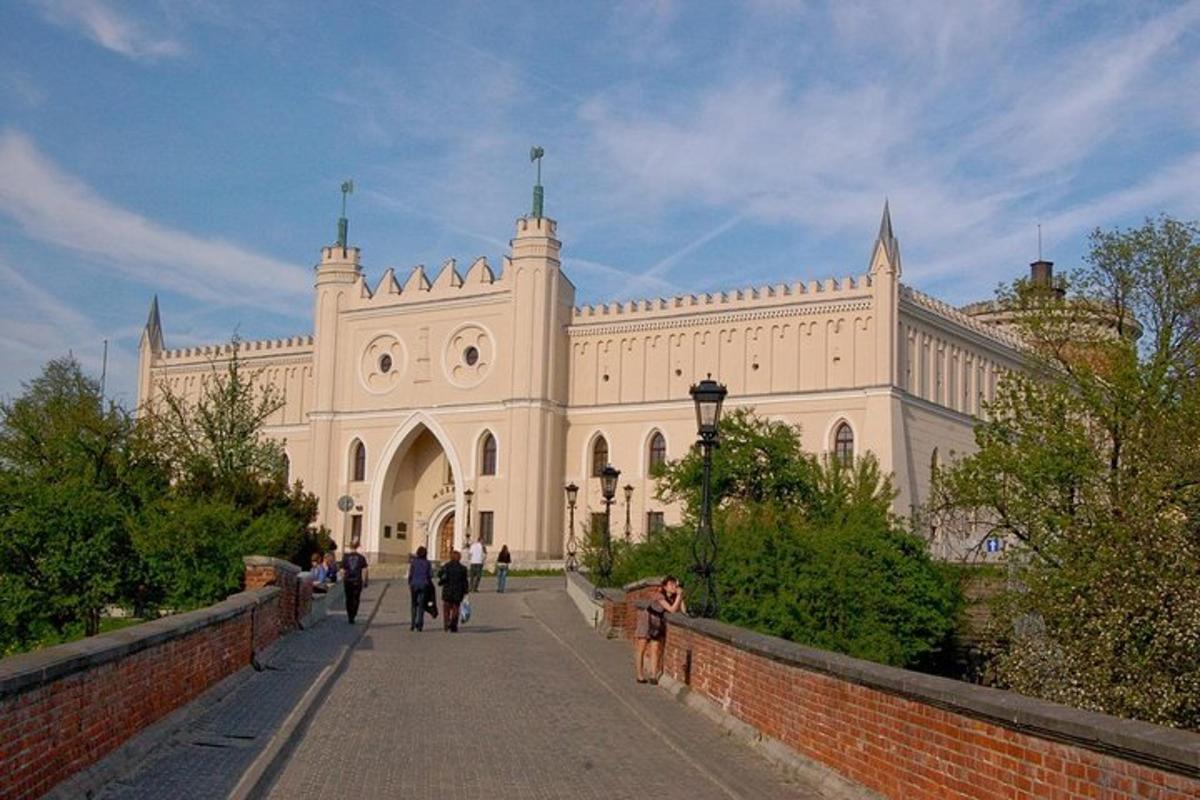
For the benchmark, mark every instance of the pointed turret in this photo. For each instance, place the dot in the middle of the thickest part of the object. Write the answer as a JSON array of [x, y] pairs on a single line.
[[153, 331], [885, 255]]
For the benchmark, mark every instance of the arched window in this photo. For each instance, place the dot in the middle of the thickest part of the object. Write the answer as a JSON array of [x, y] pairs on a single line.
[[287, 468], [487, 455], [658, 451], [358, 471], [599, 456], [843, 444]]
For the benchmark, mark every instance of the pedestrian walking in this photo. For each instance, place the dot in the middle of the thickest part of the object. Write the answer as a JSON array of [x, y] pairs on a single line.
[[478, 557], [503, 561], [452, 577], [354, 578], [420, 584], [651, 628]]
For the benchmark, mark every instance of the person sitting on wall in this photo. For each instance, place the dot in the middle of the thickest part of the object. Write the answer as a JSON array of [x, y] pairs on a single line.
[[319, 577], [331, 565]]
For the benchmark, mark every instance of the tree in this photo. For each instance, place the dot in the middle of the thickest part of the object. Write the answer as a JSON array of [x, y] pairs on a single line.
[[69, 476], [229, 495], [1089, 462], [808, 548]]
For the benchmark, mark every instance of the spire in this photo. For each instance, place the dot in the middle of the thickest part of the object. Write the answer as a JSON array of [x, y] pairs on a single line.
[[343, 223], [153, 331], [535, 154], [887, 247]]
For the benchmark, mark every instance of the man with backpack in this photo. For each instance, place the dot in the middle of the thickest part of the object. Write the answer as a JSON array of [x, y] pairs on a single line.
[[354, 579]]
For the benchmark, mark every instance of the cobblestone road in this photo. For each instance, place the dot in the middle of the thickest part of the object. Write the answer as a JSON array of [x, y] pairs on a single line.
[[207, 756], [525, 702]]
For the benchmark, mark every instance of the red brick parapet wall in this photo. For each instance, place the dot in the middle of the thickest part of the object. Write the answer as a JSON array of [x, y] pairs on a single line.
[[907, 735], [64, 708]]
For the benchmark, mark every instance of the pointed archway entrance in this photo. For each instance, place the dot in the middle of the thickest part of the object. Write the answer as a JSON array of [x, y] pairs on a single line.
[[415, 496]]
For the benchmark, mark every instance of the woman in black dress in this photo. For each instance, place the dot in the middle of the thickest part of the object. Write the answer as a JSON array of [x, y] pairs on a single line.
[[652, 628]]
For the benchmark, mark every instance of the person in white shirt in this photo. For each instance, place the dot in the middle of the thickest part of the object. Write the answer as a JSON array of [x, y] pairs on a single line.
[[477, 558]]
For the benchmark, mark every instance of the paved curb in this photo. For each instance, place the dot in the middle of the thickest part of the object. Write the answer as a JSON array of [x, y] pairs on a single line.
[[259, 775], [828, 782]]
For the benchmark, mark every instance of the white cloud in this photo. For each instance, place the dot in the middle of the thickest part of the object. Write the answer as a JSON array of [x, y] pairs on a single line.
[[111, 29], [55, 207]]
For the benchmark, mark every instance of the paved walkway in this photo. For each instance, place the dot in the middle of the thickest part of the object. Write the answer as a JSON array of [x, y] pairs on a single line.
[[232, 723], [525, 702]]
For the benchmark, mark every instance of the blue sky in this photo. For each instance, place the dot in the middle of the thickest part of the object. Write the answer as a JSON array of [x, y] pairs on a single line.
[[194, 148]]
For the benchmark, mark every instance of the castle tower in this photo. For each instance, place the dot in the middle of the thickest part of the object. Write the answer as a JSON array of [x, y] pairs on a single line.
[[149, 347], [337, 275], [886, 410], [542, 302]]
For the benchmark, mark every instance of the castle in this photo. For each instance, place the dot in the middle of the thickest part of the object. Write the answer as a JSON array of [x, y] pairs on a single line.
[[422, 397]]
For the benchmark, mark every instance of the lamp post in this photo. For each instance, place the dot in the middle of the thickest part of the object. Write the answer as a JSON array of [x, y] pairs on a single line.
[[572, 563], [467, 495], [708, 395], [628, 501], [608, 488]]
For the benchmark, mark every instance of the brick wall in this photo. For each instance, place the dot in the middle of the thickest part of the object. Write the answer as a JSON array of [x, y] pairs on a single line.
[[64, 708], [920, 737]]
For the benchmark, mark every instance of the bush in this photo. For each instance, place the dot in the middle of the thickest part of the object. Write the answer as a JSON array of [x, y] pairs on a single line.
[[858, 588], [193, 550]]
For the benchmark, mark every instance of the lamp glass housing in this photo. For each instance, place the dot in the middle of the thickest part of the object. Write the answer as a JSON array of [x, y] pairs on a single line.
[[572, 493], [708, 395], [608, 481]]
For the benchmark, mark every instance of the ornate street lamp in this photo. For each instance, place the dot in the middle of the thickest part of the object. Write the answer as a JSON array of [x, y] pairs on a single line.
[[708, 395], [608, 488], [572, 563], [628, 501], [467, 495]]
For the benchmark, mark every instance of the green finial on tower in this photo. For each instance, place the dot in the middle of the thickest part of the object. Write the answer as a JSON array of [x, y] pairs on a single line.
[[535, 154], [343, 223]]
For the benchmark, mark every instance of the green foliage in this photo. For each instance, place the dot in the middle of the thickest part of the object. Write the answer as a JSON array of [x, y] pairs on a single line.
[[97, 509], [229, 497], [68, 476], [808, 549], [1089, 464]]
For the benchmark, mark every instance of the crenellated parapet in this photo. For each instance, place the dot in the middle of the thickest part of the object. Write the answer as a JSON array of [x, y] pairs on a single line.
[[951, 314], [418, 287], [759, 298], [291, 345]]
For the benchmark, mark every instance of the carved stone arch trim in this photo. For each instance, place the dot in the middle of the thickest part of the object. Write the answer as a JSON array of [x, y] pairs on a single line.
[[832, 429], [644, 455], [348, 457], [586, 471], [477, 452], [403, 436]]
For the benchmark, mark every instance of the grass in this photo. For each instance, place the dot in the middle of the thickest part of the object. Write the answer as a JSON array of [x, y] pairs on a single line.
[[528, 573]]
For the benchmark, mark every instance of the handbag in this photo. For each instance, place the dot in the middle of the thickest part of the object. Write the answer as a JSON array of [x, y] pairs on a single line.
[[464, 611], [431, 600]]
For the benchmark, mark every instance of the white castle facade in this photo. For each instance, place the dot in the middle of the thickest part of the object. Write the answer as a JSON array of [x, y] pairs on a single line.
[[410, 394]]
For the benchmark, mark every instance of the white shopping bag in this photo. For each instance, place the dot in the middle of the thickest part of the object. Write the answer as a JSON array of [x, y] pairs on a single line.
[[464, 611]]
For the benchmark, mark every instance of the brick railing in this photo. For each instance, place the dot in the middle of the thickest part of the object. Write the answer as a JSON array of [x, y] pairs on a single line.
[[908, 735], [64, 708]]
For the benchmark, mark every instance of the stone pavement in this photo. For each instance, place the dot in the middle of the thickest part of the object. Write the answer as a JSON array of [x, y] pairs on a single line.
[[525, 702], [235, 720]]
